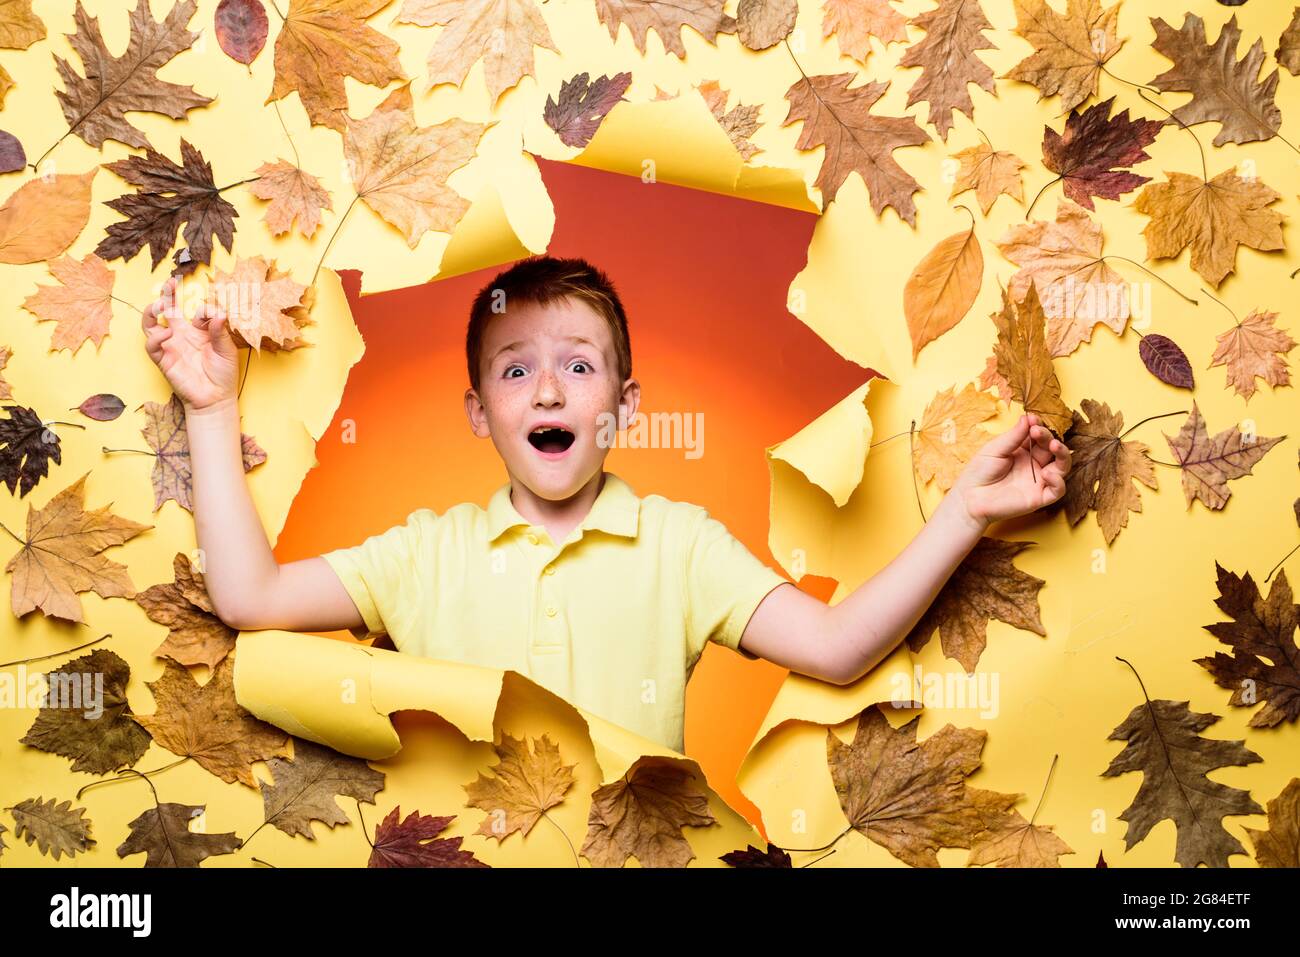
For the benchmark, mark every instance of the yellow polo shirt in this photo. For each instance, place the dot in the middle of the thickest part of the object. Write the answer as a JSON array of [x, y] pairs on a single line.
[[612, 619]]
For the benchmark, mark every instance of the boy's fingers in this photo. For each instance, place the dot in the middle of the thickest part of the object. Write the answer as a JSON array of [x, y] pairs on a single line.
[[1010, 440]]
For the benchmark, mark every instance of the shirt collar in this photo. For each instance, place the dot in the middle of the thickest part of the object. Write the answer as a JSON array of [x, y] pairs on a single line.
[[616, 510]]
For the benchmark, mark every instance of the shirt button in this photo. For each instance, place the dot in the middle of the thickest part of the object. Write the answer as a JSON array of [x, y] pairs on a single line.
[[550, 611], [550, 570]]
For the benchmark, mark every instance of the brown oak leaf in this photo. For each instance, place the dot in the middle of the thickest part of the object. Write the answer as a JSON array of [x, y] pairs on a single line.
[[165, 432], [1254, 348], [415, 843], [44, 216], [195, 635], [294, 196], [306, 786], [583, 105], [1279, 846], [1207, 464], [990, 173], [526, 782], [1103, 468], [954, 31], [1089, 155], [163, 834], [855, 22], [1011, 841], [942, 288], [666, 18], [81, 306], [949, 435], [1069, 49], [739, 123], [642, 814], [56, 828], [263, 306], [1024, 361]]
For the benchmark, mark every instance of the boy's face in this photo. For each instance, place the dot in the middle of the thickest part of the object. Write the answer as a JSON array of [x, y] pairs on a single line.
[[551, 365]]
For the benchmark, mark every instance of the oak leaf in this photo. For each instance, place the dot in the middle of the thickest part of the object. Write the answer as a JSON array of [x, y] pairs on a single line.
[[263, 306], [942, 288], [990, 173], [855, 22], [195, 635], [306, 786], [1254, 348], [666, 18], [95, 104], [163, 834], [172, 474], [27, 447], [949, 435], [63, 555], [764, 23], [1103, 468], [1069, 49], [81, 306], [20, 27], [1163, 741], [855, 139], [415, 843], [294, 196], [526, 783], [106, 742], [739, 123], [1024, 361], [642, 814], [44, 217], [954, 31], [1089, 155], [1208, 463], [56, 828], [583, 105], [1011, 841], [1279, 846]]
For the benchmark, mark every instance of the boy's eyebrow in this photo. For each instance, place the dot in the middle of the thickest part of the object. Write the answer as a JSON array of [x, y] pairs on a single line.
[[510, 347]]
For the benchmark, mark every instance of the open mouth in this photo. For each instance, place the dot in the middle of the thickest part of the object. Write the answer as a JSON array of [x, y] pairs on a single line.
[[551, 438]]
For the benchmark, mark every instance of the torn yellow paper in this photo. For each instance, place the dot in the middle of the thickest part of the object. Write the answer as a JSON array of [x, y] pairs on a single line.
[[832, 449]]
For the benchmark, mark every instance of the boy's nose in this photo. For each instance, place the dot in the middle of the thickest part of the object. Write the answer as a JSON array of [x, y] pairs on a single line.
[[548, 390]]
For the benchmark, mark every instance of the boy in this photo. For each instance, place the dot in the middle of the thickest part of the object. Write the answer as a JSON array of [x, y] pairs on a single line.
[[605, 598]]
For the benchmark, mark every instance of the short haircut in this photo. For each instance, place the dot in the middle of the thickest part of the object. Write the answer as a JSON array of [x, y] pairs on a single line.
[[541, 280]]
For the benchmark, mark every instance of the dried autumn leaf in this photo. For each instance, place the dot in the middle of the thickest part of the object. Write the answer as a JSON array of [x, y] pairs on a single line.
[[990, 378], [764, 23], [666, 18], [262, 305], [1166, 360], [165, 432], [168, 195], [95, 105], [753, 857], [990, 174], [942, 288], [323, 41], [1011, 841], [306, 786], [106, 742], [855, 139], [1279, 846], [1164, 742], [739, 123], [163, 833], [855, 22], [242, 28], [1213, 218], [400, 170], [63, 555], [205, 723], [20, 27], [1223, 88], [56, 828], [1076, 288], [1288, 46], [81, 306], [102, 407], [954, 31], [526, 783], [195, 635], [1207, 464], [415, 843], [987, 586], [12, 155], [583, 105], [1103, 469], [294, 195], [1254, 348], [642, 814], [950, 435], [1090, 154], [1024, 361], [912, 798], [6, 391], [1264, 665], [26, 449], [1069, 49], [44, 217]]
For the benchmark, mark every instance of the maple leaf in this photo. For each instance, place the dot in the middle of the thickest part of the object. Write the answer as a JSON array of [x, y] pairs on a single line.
[[263, 306], [1213, 218], [946, 55], [95, 105], [1023, 360], [1223, 88], [44, 217], [1064, 262], [1164, 742], [415, 843], [166, 434], [753, 857], [990, 378], [163, 834], [856, 139], [306, 785], [526, 782], [1089, 154], [26, 449], [582, 106], [950, 435], [294, 195], [912, 798], [855, 22], [1279, 846], [81, 307], [56, 828], [1069, 49], [323, 41], [942, 288], [20, 27], [63, 555], [739, 123], [764, 23], [168, 196], [1253, 348], [6, 391], [400, 170], [1011, 841], [205, 723], [986, 586], [666, 18], [1103, 469], [106, 742], [501, 33], [195, 635], [642, 814], [1207, 464], [1264, 665], [990, 174], [1288, 46]]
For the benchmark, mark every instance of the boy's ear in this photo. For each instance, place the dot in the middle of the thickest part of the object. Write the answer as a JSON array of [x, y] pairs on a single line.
[[476, 414], [628, 401]]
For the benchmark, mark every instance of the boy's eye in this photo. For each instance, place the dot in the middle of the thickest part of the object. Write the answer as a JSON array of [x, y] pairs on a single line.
[[583, 364], [511, 369]]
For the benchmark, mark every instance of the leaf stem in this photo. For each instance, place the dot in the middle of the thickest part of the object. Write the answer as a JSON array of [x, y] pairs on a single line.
[[55, 654]]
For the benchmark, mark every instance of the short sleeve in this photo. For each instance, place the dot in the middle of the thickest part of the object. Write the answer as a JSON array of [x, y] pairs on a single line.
[[725, 582], [382, 575]]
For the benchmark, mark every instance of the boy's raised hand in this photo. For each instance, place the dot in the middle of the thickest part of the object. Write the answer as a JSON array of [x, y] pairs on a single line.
[[999, 481], [198, 356]]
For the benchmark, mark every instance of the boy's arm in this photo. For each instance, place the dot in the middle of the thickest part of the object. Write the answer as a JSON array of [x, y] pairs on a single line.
[[841, 643]]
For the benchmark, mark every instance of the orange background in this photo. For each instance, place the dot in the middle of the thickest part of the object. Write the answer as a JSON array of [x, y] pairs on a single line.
[[704, 279]]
